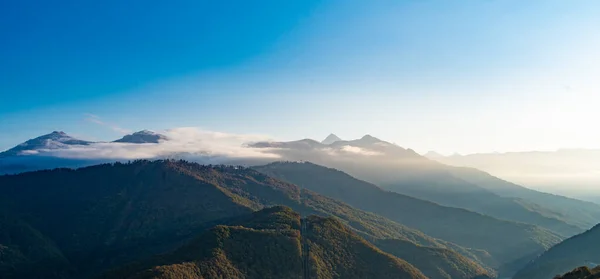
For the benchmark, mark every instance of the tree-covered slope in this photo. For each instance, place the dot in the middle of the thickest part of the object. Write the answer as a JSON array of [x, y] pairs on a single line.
[[580, 250], [269, 244], [25, 252], [505, 241], [435, 263], [103, 216]]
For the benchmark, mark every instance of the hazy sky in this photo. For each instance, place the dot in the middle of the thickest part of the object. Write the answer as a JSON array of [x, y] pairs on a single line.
[[452, 76]]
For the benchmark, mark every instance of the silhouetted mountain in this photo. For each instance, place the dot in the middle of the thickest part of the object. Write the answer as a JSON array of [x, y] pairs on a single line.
[[505, 241], [577, 251], [270, 245], [107, 215], [52, 141], [404, 171], [331, 139], [144, 136]]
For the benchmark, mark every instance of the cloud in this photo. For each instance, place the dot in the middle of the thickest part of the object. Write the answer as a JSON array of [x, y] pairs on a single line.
[[358, 150], [186, 142], [96, 119]]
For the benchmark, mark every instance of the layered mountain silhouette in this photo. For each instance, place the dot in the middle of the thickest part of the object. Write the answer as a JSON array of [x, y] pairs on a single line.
[[404, 171], [580, 250], [556, 170], [86, 221], [268, 244], [505, 241]]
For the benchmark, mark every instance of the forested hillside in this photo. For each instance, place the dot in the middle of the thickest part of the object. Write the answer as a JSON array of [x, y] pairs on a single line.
[[95, 218]]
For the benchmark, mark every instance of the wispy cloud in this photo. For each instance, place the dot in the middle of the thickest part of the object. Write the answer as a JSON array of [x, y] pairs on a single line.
[[97, 120]]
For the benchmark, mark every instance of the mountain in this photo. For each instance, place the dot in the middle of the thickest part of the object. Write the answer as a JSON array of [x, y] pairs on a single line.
[[25, 252], [38, 153], [271, 244], [330, 139], [406, 172], [103, 216], [577, 251], [144, 136], [433, 155], [52, 141], [572, 172], [583, 272], [442, 263], [581, 213], [505, 241]]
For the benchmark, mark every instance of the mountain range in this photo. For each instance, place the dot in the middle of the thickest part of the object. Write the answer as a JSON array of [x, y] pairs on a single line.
[[572, 172], [427, 218], [404, 171], [86, 221]]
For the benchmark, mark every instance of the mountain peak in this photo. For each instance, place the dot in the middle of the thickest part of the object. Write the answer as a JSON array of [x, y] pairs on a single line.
[[331, 139], [53, 140], [144, 136], [369, 138], [433, 155]]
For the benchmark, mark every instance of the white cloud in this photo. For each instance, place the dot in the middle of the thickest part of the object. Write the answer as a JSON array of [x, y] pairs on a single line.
[[183, 142], [358, 150]]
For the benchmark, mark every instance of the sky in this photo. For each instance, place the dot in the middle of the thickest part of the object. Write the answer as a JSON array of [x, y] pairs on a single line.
[[450, 76]]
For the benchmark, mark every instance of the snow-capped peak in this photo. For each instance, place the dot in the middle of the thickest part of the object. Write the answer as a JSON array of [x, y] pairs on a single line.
[[54, 140]]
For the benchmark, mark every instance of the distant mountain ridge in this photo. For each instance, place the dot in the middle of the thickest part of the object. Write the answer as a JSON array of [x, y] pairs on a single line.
[[555, 171], [404, 171]]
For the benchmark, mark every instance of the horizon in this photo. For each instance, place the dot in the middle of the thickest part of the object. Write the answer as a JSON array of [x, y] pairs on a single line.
[[424, 153]]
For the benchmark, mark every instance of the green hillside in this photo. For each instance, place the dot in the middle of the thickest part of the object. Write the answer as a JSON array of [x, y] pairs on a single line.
[[505, 241], [103, 216], [269, 245], [577, 251]]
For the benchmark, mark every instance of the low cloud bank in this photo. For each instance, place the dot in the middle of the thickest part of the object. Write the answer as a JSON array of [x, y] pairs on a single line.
[[182, 143]]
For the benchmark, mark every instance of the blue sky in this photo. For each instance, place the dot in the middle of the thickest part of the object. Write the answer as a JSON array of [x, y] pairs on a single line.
[[453, 76]]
